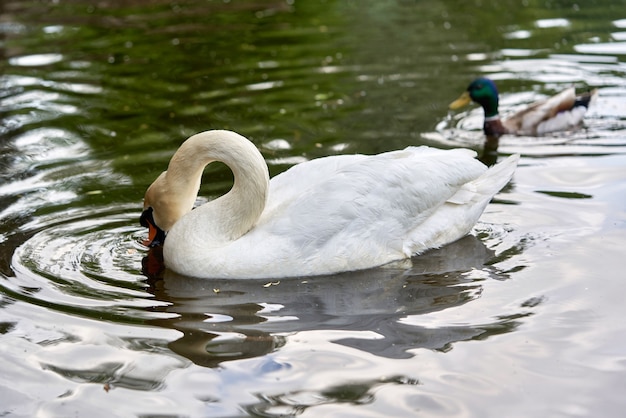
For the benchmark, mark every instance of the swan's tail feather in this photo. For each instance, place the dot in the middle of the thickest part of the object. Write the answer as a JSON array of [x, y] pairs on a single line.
[[497, 176], [456, 218], [488, 184]]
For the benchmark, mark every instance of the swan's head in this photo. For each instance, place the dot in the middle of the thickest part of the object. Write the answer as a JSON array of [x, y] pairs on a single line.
[[156, 236], [161, 210]]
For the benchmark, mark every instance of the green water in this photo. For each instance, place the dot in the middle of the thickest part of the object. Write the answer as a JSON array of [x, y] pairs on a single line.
[[524, 317]]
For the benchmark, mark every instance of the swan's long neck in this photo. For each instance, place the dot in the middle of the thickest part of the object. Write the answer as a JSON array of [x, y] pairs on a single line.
[[235, 213]]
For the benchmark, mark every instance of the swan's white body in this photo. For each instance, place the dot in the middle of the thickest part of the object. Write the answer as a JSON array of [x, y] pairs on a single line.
[[324, 216]]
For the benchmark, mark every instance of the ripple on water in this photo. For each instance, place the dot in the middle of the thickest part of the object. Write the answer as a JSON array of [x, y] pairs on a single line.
[[86, 261]]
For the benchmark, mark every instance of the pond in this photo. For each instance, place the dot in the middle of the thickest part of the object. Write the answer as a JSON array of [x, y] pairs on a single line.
[[523, 317]]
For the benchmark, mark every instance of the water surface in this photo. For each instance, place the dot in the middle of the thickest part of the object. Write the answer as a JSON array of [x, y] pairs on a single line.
[[524, 317]]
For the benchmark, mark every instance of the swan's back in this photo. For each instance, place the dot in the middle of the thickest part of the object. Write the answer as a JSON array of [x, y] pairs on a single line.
[[352, 212]]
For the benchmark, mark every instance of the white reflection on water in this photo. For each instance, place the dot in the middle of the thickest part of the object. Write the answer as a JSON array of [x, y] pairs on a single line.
[[609, 48], [49, 145], [552, 23], [36, 60]]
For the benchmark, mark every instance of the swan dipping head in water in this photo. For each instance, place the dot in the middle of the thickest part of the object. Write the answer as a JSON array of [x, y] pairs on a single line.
[[324, 216]]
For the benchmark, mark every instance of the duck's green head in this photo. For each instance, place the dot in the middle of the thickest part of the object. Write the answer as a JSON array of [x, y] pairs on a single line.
[[482, 91]]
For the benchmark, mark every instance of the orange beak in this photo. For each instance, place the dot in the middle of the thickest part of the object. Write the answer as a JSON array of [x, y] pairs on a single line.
[[152, 234], [156, 236]]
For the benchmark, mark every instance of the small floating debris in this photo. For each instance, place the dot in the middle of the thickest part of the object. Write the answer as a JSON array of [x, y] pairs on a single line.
[[271, 284]]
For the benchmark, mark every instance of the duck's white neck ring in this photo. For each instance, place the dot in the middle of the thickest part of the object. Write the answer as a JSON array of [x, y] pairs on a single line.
[[492, 118]]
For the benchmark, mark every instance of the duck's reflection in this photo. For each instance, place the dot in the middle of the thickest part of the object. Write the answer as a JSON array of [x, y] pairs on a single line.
[[233, 319], [489, 153]]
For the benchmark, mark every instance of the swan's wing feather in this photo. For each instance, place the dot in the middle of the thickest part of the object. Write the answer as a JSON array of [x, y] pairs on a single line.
[[290, 183], [369, 205]]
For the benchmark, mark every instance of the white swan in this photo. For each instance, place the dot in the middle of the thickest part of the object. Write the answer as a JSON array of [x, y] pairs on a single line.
[[323, 216]]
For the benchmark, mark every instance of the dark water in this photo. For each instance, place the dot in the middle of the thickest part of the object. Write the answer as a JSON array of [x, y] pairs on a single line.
[[525, 317]]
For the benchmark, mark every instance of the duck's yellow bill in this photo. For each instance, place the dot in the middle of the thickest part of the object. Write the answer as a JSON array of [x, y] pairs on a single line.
[[464, 100]]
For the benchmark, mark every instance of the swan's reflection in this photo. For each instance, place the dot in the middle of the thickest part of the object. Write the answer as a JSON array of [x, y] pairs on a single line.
[[232, 319]]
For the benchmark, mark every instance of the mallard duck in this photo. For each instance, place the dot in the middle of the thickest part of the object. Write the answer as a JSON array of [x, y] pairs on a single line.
[[561, 112], [324, 216]]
